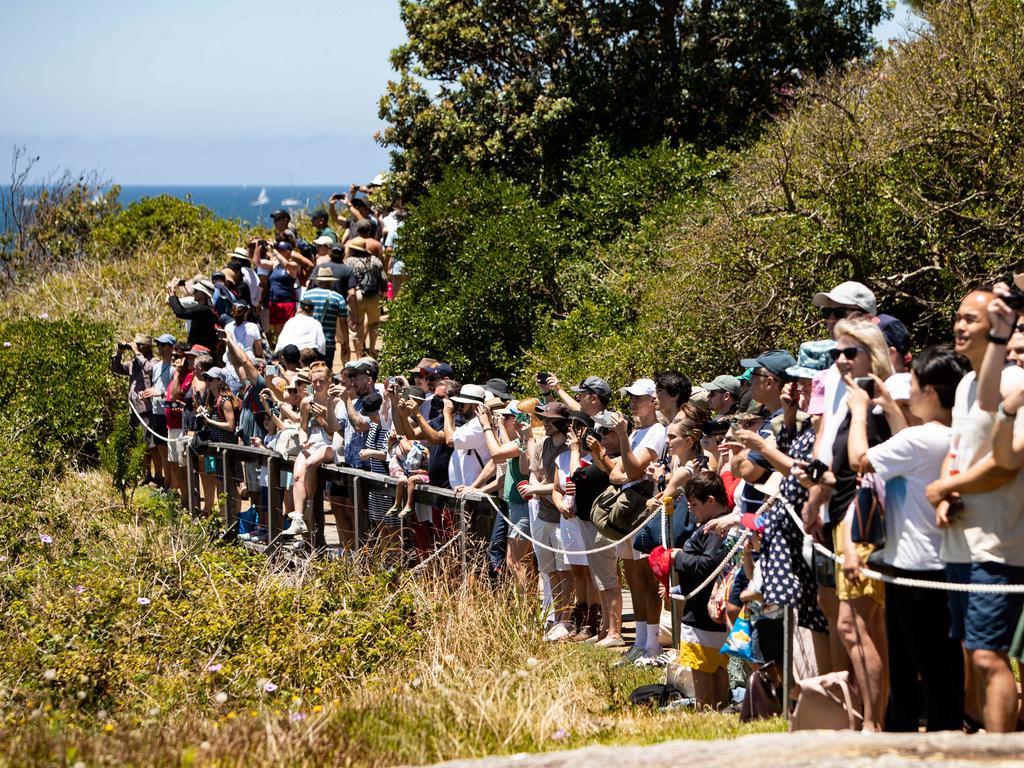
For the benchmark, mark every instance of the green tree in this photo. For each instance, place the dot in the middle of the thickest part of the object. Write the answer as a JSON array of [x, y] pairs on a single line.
[[520, 86]]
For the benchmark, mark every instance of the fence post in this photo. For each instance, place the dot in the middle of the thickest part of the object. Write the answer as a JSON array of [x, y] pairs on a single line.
[[787, 662], [190, 481], [357, 512], [228, 482], [275, 500], [673, 576], [463, 527], [318, 537]]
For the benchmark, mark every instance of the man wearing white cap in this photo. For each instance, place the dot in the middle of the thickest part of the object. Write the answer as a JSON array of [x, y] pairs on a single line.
[[240, 260], [471, 457]]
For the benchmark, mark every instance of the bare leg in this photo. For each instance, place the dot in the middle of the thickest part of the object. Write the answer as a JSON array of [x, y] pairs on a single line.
[[998, 690], [838, 656], [860, 624], [634, 580], [209, 486], [344, 515]]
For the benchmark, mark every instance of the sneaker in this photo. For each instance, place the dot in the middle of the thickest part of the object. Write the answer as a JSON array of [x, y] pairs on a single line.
[[650, 659], [245, 537], [556, 633], [611, 641], [298, 526], [634, 653]]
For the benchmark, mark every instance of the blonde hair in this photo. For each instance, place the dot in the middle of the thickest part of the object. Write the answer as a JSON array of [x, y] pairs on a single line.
[[529, 405], [868, 334], [319, 367]]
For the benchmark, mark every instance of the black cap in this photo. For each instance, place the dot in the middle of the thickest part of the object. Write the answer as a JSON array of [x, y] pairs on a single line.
[[281, 213], [896, 334], [775, 361], [371, 403], [338, 250], [360, 203], [289, 353], [319, 213], [306, 305], [499, 388]]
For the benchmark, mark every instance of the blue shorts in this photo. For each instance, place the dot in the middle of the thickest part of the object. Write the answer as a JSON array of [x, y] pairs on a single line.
[[519, 515], [985, 621]]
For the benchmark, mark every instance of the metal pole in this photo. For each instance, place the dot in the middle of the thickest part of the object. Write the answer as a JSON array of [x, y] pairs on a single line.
[[787, 661], [228, 482], [318, 537], [275, 512], [673, 577], [357, 512], [190, 481], [462, 543]]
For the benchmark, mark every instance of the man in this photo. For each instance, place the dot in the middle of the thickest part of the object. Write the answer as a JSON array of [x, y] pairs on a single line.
[[466, 468], [283, 229], [288, 357], [897, 337], [240, 260], [139, 370], [319, 219], [303, 330], [591, 396], [243, 331], [543, 461], [365, 300], [357, 382], [723, 394], [202, 320], [980, 506], [331, 311], [498, 388], [850, 300], [392, 223], [161, 373]]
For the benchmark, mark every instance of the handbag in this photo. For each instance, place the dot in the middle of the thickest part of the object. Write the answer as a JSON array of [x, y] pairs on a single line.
[[617, 511], [740, 640], [827, 702], [764, 694], [719, 599], [867, 523]]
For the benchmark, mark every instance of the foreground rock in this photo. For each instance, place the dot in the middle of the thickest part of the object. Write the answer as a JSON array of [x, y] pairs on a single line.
[[828, 749]]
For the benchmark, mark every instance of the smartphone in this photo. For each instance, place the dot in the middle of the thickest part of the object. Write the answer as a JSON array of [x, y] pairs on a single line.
[[815, 470], [542, 378], [867, 384], [271, 370], [181, 283]]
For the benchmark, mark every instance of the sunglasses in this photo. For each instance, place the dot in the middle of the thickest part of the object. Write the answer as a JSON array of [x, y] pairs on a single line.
[[850, 353], [839, 313]]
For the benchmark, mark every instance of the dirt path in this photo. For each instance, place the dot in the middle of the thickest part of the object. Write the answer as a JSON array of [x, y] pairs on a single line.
[[823, 749]]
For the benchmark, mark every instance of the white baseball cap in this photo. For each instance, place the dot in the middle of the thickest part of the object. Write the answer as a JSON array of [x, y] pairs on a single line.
[[640, 387]]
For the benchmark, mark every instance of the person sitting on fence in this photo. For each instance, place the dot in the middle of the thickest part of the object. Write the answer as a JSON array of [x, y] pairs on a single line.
[[380, 500], [317, 423], [407, 463]]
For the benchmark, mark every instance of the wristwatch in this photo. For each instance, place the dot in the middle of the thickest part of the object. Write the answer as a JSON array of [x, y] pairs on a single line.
[[997, 339], [1003, 415]]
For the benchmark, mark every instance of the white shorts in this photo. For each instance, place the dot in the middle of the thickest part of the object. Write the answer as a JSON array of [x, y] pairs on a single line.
[[572, 540], [551, 535], [175, 449]]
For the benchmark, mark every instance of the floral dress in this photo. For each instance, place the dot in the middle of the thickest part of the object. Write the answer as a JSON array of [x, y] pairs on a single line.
[[788, 579]]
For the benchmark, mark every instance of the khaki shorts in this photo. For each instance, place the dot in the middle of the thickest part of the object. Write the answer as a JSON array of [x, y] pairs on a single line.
[[551, 535], [847, 590], [603, 566], [175, 452], [366, 311]]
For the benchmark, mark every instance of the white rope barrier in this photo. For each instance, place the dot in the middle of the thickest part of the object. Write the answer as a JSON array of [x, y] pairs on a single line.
[[145, 423], [564, 552], [902, 581], [438, 551], [744, 535]]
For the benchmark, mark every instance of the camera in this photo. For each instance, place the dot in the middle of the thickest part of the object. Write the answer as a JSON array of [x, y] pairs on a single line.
[[181, 283], [604, 420], [867, 384], [1015, 299], [716, 427], [816, 470]]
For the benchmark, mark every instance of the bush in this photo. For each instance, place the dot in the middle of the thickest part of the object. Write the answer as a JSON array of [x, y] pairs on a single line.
[[124, 456], [56, 386]]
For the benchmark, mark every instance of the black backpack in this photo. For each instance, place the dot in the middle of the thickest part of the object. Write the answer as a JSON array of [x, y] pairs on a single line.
[[371, 278]]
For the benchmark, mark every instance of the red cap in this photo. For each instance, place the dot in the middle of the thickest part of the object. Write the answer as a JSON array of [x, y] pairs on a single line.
[[198, 349], [660, 561]]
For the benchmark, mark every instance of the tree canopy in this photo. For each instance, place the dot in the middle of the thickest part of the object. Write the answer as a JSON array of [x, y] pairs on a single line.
[[520, 86]]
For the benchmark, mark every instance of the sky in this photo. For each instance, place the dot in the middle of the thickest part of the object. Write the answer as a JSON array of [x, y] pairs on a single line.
[[204, 91]]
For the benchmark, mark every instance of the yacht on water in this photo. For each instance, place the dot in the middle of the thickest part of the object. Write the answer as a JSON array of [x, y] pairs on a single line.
[[262, 198]]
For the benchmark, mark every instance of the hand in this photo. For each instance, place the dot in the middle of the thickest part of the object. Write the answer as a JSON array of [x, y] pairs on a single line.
[[618, 422], [257, 443], [524, 432], [790, 395], [317, 409], [1000, 315], [334, 199], [353, 323], [572, 440], [484, 415], [663, 594], [748, 439], [1014, 401], [530, 489], [462, 490], [852, 566], [722, 525], [449, 407], [594, 446], [366, 454], [857, 399], [148, 393], [552, 383], [936, 491]]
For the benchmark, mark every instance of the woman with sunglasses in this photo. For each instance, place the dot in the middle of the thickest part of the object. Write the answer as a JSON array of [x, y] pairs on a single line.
[[317, 423], [861, 353]]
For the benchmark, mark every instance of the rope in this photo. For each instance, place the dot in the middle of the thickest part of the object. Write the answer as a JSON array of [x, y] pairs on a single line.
[[438, 551], [902, 581], [744, 535], [146, 424], [563, 552]]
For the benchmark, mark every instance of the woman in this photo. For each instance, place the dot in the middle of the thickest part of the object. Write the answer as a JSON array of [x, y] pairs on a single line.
[[861, 351], [925, 664], [217, 412], [383, 517], [281, 294], [317, 423], [638, 451], [514, 421]]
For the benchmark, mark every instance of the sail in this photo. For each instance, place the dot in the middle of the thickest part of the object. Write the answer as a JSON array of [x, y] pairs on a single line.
[[262, 198]]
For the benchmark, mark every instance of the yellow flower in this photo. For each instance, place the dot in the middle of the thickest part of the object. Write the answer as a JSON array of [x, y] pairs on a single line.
[[108, 727], [318, 708], [316, 690], [231, 715]]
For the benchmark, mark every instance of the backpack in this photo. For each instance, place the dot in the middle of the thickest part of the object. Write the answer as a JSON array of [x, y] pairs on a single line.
[[371, 278]]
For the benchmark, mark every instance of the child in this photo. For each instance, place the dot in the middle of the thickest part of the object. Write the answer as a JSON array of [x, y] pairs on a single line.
[[407, 462]]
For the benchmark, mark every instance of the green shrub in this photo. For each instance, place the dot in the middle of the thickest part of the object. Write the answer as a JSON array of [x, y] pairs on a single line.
[[124, 456], [55, 385], [168, 221]]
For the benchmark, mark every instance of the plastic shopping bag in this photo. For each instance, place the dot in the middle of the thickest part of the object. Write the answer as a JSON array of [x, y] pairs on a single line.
[[740, 640]]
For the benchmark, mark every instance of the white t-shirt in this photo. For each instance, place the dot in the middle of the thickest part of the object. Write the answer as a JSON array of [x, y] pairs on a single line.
[[832, 418], [990, 529], [908, 462], [652, 437], [245, 335], [470, 454], [305, 332], [162, 375]]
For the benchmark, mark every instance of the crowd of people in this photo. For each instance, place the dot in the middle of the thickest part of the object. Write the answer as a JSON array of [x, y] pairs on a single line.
[[907, 464]]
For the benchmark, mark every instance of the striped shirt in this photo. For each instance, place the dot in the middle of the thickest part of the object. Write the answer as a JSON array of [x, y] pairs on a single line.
[[328, 306]]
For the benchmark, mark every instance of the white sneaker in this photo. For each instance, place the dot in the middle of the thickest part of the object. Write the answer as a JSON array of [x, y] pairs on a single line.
[[298, 525], [651, 658], [634, 653], [556, 633]]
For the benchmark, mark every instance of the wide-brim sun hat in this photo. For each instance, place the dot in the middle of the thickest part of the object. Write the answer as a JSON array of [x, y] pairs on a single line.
[[472, 394]]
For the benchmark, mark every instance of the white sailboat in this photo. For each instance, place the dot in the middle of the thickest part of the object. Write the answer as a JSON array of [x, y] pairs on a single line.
[[262, 198]]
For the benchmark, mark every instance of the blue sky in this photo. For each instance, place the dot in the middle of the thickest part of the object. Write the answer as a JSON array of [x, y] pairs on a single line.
[[203, 92]]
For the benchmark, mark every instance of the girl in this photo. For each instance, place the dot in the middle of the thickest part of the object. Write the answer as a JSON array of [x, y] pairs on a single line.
[[317, 423]]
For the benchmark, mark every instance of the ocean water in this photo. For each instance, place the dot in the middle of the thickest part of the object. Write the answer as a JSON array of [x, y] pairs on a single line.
[[240, 202]]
